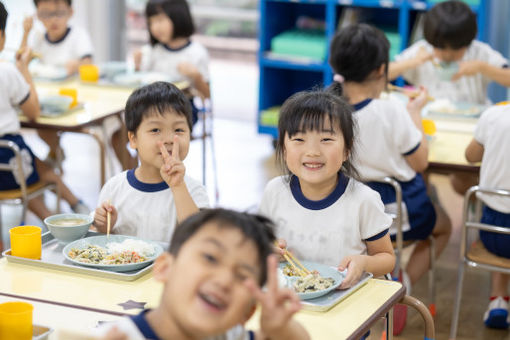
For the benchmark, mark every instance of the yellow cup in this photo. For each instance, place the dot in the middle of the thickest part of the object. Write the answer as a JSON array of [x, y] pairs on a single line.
[[89, 72], [70, 92], [429, 127], [26, 242], [16, 320]]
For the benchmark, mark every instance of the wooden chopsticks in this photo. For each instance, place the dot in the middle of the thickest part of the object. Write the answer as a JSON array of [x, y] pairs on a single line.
[[294, 262], [408, 92], [108, 221]]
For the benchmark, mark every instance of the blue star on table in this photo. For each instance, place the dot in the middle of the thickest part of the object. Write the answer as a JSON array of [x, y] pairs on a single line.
[[130, 304]]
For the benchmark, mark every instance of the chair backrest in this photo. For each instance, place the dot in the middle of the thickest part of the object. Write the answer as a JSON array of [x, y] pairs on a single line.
[[19, 165], [475, 224]]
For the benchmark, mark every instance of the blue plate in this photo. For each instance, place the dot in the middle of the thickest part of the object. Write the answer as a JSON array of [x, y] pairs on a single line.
[[101, 241], [324, 271]]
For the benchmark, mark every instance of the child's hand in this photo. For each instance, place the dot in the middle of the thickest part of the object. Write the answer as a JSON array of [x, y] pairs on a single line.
[[278, 305], [115, 334], [423, 55], [417, 102], [137, 59], [23, 58], [355, 265], [100, 217], [172, 171], [188, 70], [72, 67], [468, 68], [28, 23]]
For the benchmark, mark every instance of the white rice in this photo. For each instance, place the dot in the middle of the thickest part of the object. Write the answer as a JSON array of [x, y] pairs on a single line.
[[141, 247]]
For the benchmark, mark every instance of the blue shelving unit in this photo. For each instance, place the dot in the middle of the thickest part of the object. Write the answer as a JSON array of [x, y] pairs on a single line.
[[282, 77]]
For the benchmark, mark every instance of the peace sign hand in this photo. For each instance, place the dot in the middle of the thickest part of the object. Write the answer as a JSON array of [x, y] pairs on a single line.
[[172, 171]]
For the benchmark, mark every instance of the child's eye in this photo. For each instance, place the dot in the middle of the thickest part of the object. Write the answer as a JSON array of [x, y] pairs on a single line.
[[297, 139], [179, 130], [327, 139], [155, 130], [210, 258]]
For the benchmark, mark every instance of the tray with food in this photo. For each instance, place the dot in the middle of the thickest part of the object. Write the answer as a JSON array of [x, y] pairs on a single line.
[[445, 108], [41, 332], [115, 257]]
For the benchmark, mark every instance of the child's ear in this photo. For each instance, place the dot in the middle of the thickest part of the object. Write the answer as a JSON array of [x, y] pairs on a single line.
[[162, 266], [132, 139], [382, 70]]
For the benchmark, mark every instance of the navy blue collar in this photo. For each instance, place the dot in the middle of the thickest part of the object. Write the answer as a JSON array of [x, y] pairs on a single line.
[[58, 40], [143, 326], [168, 48], [145, 187], [361, 104], [339, 190]]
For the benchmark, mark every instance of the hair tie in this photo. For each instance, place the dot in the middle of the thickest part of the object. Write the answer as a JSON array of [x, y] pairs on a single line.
[[338, 78]]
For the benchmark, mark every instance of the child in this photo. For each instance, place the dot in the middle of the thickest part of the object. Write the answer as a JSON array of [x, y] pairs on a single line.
[[17, 91], [171, 51], [450, 29], [60, 46], [391, 140], [490, 145], [149, 200], [217, 262], [322, 213]]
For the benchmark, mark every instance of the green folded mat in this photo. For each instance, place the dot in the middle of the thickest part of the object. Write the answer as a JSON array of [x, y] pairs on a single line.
[[301, 43], [269, 117]]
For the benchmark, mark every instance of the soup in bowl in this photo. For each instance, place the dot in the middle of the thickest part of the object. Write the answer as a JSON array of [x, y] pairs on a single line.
[[68, 227]]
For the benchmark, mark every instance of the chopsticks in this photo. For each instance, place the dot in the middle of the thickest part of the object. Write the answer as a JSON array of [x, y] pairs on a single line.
[[294, 262], [408, 92], [108, 221]]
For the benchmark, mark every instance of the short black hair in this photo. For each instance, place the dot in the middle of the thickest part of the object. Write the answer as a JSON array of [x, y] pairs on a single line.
[[179, 13], [307, 111], [256, 228], [3, 17], [450, 24], [358, 50], [160, 97], [69, 2]]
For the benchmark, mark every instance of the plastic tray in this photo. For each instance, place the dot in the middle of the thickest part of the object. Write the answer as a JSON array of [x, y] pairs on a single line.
[[52, 257], [41, 332], [328, 301]]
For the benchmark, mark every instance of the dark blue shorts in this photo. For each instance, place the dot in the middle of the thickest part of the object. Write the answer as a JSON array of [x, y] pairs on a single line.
[[7, 180], [421, 212], [498, 244]]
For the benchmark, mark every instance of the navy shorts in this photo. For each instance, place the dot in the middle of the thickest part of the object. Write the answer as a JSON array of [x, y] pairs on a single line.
[[7, 180], [421, 212], [498, 244]]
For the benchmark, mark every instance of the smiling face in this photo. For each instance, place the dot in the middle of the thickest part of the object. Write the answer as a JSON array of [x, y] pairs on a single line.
[[315, 157], [156, 128], [204, 290], [54, 15], [161, 28]]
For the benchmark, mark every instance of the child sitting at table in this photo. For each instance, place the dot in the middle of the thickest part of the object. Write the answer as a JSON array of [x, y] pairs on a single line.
[[322, 212], [148, 201], [213, 273], [17, 92], [172, 52], [450, 29], [490, 146]]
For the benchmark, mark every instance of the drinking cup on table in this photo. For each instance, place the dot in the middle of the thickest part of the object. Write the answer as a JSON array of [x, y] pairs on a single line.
[[70, 92], [26, 242], [89, 72], [16, 320]]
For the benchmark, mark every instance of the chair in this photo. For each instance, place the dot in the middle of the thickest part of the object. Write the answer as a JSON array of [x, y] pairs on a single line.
[[24, 193], [399, 244], [475, 255]]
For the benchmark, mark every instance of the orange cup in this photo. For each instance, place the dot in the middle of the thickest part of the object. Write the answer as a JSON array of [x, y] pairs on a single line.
[[26, 242], [429, 127], [16, 320], [70, 92], [89, 72]]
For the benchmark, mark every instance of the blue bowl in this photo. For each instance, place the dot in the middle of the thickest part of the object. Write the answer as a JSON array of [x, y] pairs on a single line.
[[68, 227], [55, 104], [112, 68], [445, 70], [102, 241], [324, 271]]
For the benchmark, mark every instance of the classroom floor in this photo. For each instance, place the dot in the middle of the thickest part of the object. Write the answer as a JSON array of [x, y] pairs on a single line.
[[245, 162]]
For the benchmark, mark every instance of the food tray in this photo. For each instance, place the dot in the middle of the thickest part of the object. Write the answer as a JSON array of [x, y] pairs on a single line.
[[49, 114], [52, 258], [41, 332], [328, 301]]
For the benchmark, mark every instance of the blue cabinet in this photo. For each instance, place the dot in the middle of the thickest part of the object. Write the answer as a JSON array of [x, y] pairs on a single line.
[[281, 76]]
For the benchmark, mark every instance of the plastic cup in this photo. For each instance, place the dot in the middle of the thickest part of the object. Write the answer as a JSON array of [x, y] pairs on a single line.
[[429, 127], [26, 242], [70, 92], [16, 320], [89, 73]]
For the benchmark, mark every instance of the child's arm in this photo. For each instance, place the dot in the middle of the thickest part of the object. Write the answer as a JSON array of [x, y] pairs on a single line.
[[418, 160], [100, 217], [396, 68], [30, 107], [474, 151], [500, 75], [73, 66], [189, 70], [277, 308], [380, 260], [172, 171], [28, 23]]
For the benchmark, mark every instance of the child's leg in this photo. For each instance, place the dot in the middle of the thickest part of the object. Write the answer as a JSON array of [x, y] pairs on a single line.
[[499, 284], [47, 174], [38, 207], [419, 261], [120, 151], [51, 138], [461, 181]]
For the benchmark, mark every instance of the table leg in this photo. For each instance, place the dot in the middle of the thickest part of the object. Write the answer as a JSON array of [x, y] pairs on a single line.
[[425, 313]]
